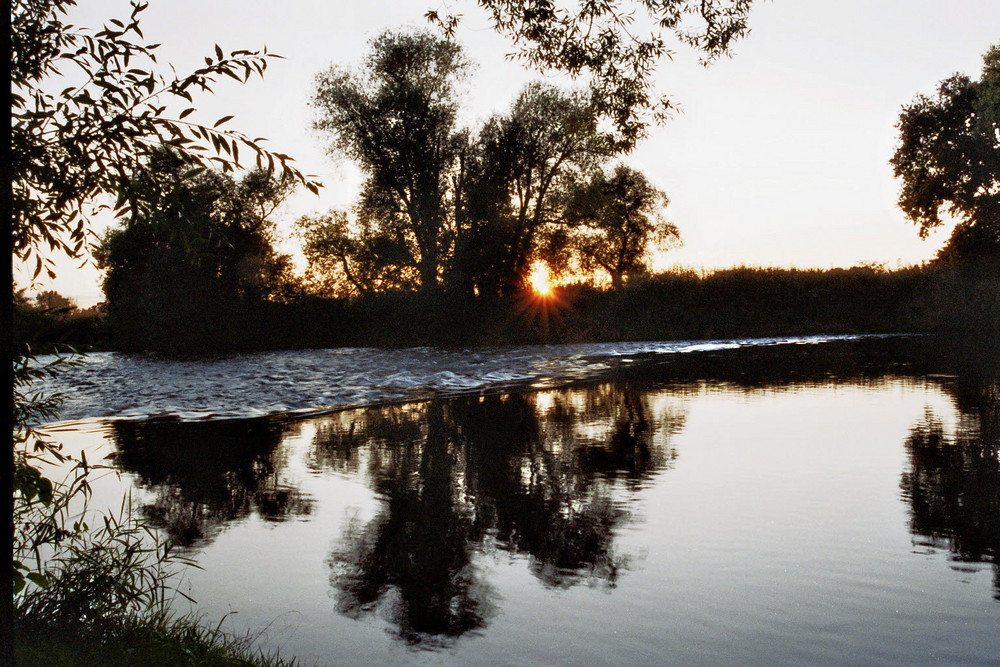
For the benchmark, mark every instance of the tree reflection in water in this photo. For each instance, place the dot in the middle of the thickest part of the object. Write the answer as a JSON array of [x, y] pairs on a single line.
[[953, 483], [527, 474], [207, 474]]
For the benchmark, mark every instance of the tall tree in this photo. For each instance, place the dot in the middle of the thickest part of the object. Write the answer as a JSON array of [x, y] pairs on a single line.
[[948, 159], [615, 221], [396, 118]]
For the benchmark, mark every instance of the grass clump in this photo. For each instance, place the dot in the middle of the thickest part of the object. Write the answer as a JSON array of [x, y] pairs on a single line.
[[146, 639]]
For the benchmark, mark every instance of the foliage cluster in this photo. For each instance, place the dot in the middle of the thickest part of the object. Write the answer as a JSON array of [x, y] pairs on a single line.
[[615, 44], [197, 253], [948, 159]]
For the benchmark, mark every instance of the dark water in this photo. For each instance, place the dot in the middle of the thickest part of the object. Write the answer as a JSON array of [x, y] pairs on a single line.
[[822, 504]]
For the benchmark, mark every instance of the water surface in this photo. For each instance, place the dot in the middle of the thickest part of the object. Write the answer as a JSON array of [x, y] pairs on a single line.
[[836, 503]]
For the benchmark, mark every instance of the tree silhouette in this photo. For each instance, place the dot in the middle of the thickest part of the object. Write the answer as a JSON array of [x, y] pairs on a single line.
[[615, 221], [396, 118], [342, 261], [518, 177], [199, 248], [92, 137], [443, 207], [948, 159]]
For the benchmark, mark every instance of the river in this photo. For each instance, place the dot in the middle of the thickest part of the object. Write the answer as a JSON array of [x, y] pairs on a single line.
[[820, 500]]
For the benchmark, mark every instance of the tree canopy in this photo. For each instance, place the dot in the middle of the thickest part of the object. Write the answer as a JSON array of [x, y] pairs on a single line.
[[199, 247], [617, 44], [948, 159], [445, 207], [355, 262], [396, 118], [519, 172]]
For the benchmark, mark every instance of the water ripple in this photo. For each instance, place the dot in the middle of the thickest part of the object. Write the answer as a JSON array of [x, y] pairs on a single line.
[[115, 385]]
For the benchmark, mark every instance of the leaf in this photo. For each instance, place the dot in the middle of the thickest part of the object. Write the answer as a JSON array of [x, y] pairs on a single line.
[[187, 112], [218, 52], [38, 579], [224, 119]]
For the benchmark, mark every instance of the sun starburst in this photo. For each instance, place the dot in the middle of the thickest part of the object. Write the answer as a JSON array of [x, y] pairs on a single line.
[[540, 279]]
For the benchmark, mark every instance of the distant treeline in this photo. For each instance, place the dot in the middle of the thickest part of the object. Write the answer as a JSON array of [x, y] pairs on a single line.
[[962, 299]]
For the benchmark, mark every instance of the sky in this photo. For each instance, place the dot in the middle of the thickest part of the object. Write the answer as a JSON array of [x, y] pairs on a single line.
[[779, 156]]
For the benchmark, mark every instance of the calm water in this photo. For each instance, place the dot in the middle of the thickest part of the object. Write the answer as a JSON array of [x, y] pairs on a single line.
[[836, 503]]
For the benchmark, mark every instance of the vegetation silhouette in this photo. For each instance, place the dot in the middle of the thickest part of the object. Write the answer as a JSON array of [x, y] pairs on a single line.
[[619, 223], [960, 301], [50, 321], [448, 208], [206, 474], [948, 158], [397, 120], [196, 261]]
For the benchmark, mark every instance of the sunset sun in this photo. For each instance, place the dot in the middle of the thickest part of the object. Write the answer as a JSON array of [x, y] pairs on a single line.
[[540, 279]]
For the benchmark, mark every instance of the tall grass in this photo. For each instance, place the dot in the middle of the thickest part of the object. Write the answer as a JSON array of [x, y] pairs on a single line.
[[106, 600], [149, 640], [101, 594]]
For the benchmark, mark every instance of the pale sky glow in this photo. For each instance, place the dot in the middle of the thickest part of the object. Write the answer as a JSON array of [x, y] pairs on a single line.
[[780, 157]]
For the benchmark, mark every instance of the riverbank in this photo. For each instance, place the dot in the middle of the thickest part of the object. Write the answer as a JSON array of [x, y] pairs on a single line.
[[958, 299]]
